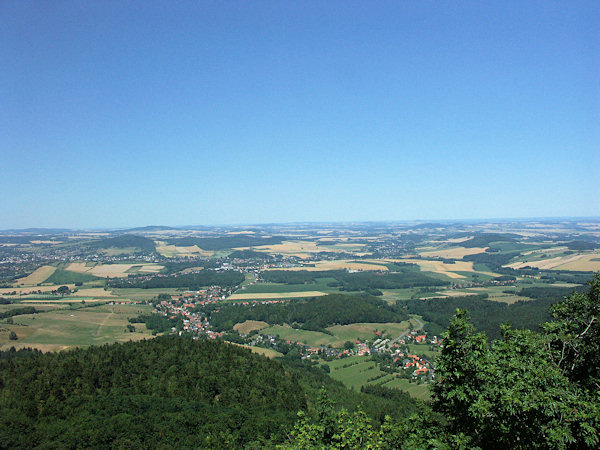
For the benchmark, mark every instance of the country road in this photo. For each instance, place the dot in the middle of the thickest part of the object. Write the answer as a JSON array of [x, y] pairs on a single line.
[[421, 325]]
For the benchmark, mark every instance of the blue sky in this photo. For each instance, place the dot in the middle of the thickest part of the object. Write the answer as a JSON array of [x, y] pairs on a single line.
[[134, 113]]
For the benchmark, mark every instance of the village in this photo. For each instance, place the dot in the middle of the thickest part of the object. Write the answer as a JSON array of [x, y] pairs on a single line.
[[393, 354]]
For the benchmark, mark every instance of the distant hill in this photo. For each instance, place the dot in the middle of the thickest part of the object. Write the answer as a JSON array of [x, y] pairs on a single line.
[[125, 241], [150, 228]]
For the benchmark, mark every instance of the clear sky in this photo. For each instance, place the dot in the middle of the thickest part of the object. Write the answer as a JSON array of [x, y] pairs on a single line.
[[120, 113]]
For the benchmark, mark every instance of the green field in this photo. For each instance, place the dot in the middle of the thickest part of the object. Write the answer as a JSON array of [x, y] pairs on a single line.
[[339, 333], [367, 330], [264, 288], [362, 371], [61, 276], [422, 350], [312, 338], [420, 391], [64, 328]]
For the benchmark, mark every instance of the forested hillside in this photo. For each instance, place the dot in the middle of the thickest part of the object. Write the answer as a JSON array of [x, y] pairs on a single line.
[[168, 392], [312, 314]]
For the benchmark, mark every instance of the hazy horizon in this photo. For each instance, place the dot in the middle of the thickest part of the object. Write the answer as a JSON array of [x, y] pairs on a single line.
[[239, 113]]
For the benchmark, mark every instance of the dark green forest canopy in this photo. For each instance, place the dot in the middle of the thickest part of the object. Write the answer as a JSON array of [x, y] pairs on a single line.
[[125, 241], [487, 315], [193, 281], [168, 391], [484, 239], [227, 242], [312, 314], [356, 281]]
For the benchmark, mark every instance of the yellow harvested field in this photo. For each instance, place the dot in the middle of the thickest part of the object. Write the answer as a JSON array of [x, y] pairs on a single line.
[[452, 293], [38, 276], [287, 247], [586, 262], [558, 262], [275, 295], [112, 270], [41, 347], [170, 251], [303, 249], [453, 253], [338, 265], [66, 300], [441, 267], [32, 289], [92, 292], [268, 352], [45, 242], [249, 325]]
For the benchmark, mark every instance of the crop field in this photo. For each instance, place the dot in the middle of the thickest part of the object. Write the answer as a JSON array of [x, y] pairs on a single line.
[[587, 262], [452, 253], [360, 371], [339, 264], [38, 276], [304, 249], [566, 262], [268, 352], [259, 288], [30, 290], [142, 294], [60, 329], [249, 325], [170, 251], [112, 270], [275, 295]]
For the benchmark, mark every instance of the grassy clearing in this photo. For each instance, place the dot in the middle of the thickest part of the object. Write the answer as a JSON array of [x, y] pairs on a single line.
[[420, 391], [367, 330], [360, 371], [249, 325], [312, 338], [268, 352], [37, 276], [82, 327]]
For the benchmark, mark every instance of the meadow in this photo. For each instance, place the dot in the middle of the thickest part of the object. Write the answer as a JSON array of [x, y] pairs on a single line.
[[80, 327]]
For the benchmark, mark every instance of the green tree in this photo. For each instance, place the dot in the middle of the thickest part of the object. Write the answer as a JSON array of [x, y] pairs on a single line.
[[12, 336]]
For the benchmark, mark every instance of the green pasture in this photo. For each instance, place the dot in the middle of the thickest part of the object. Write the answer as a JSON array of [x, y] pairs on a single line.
[[266, 288], [420, 391], [82, 327], [312, 338]]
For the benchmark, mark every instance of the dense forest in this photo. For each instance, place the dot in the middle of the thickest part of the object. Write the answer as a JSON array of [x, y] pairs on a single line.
[[487, 316], [169, 392], [356, 281], [312, 314], [193, 281]]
